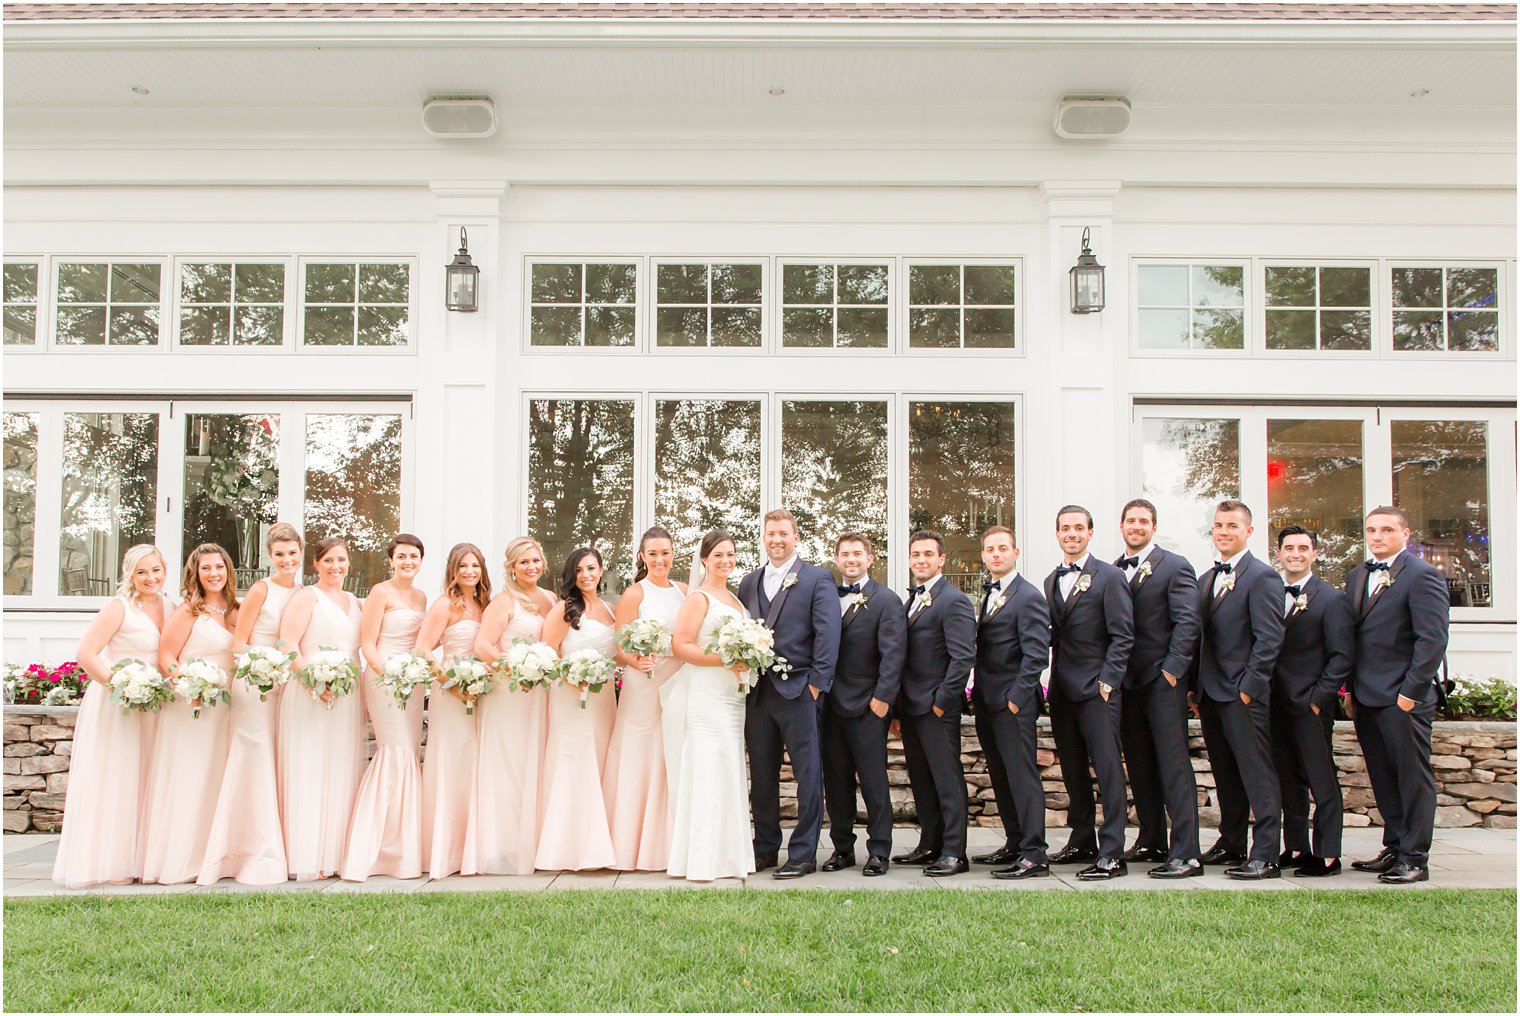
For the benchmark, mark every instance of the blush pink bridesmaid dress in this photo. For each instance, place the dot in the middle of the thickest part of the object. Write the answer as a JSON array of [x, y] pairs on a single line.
[[448, 768]]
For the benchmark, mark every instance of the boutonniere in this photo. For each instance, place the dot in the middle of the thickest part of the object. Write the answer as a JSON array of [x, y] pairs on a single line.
[[996, 604], [857, 600], [1302, 603], [789, 581], [1083, 584], [1143, 574], [1225, 583], [1383, 581], [924, 600]]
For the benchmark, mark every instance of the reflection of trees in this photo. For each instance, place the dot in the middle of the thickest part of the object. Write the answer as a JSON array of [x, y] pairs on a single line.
[[1211, 456], [1440, 478], [110, 491], [834, 474], [1314, 479], [580, 476], [353, 486], [707, 474], [231, 481], [960, 474], [20, 451]]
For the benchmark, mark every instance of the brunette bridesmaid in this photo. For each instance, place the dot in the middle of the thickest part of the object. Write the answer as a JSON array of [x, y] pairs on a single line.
[[505, 806], [385, 834], [190, 751], [247, 842], [633, 780], [109, 767], [319, 750], [449, 765]]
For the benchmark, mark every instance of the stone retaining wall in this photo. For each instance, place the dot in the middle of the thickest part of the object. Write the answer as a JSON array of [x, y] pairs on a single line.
[[1474, 764]]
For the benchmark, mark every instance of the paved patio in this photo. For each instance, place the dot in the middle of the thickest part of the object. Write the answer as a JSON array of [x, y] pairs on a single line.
[[1462, 858]]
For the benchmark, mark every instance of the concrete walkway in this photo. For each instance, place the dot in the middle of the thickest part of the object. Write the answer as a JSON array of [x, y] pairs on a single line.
[[1462, 858]]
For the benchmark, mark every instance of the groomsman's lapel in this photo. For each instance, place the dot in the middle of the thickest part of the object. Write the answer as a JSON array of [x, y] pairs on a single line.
[[1053, 597], [1393, 574], [912, 617], [1076, 587], [775, 611], [867, 591], [1311, 590]]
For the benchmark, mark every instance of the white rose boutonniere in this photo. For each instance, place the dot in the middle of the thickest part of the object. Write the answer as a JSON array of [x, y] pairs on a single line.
[[1383, 581], [1084, 583], [789, 581], [857, 600], [1143, 574], [1224, 583], [1301, 603], [996, 604], [924, 601]]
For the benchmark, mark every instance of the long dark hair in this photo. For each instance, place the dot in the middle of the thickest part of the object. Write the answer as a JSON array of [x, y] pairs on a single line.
[[575, 601], [451, 587], [710, 541], [652, 533]]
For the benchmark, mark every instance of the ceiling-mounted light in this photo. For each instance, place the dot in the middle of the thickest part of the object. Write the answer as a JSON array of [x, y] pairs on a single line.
[[1092, 117], [459, 117]]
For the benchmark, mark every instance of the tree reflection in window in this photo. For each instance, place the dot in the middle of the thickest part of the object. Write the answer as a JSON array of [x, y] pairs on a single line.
[[1440, 479], [707, 474], [960, 478], [580, 483], [110, 497], [20, 501], [1314, 479], [353, 489], [231, 485], [1187, 466], [834, 474]]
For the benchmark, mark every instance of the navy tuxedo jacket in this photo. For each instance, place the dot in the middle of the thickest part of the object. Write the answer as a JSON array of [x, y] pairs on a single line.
[[1318, 647], [1013, 649], [1166, 618], [1242, 631], [873, 642], [941, 652], [805, 619], [1093, 632], [1400, 633]]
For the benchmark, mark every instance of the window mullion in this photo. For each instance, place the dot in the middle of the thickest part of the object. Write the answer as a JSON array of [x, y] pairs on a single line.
[[48, 511]]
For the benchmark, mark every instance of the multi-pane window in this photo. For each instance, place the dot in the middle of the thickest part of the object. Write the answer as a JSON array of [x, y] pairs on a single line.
[[834, 473], [580, 482], [1191, 306], [959, 495], [108, 303], [708, 304], [231, 303], [968, 306], [20, 506], [110, 485], [21, 279], [827, 305], [1448, 308], [591, 304], [356, 303], [1440, 480], [1318, 307]]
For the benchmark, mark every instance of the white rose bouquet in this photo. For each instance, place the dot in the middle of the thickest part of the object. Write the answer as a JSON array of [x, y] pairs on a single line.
[[748, 643], [587, 670], [202, 683], [472, 677], [645, 636], [330, 671], [531, 664], [138, 685], [263, 669], [403, 673]]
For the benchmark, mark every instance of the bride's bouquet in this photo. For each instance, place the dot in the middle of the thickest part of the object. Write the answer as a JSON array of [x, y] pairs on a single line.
[[588, 670], [472, 677], [202, 683], [330, 671], [263, 669], [531, 664], [138, 685], [740, 641], [645, 636], [403, 673]]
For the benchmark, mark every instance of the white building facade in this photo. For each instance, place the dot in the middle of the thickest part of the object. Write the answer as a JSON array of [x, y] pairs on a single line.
[[738, 259]]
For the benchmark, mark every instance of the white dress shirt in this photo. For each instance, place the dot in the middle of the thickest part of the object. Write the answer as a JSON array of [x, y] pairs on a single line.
[[1372, 577], [1139, 556], [844, 601], [1219, 588], [774, 573], [1288, 597], [918, 601], [1067, 581]]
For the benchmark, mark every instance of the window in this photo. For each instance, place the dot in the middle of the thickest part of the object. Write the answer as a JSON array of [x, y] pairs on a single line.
[[20, 449], [707, 474], [1436, 309], [231, 303], [834, 473], [353, 488], [1191, 306], [1318, 307], [833, 305], [231, 491], [21, 280], [357, 303], [110, 497], [966, 306], [580, 482], [1314, 479], [108, 303], [708, 304], [1440, 479], [1188, 465], [590, 304], [961, 478]]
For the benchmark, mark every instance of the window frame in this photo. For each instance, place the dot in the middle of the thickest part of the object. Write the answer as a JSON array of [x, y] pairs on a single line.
[[904, 306], [894, 340], [44, 297], [1503, 351], [409, 348], [651, 292], [165, 303], [641, 336], [290, 305], [1248, 294], [1375, 323]]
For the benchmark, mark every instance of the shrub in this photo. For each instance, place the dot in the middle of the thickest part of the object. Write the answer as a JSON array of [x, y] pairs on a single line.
[[40, 685], [1475, 699]]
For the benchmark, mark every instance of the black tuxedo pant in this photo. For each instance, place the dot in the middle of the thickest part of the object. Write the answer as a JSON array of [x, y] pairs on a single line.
[[1306, 767], [1396, 746], [932, 745], [1239, 739], [1009, 744], [771, 723], [855, 748], [1153, 730], [1087, 731]]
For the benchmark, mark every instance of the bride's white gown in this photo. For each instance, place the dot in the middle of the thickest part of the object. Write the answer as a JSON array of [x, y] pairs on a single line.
[[703, 717]]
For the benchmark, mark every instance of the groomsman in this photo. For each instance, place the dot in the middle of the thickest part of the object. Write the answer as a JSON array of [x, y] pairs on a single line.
[[872, 645], [1319, 640], [798, 603], [941, 652], [1154, 714], [1402, 611], [1093, 630], [1242, 607], [1012, 650]]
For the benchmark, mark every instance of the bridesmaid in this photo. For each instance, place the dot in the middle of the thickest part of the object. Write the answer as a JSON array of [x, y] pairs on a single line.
[[319, 751], [246, 841], [633, 781], [109, 767], [385, 834], [449, 766], [190, 752], [506, 810], [575, 835]]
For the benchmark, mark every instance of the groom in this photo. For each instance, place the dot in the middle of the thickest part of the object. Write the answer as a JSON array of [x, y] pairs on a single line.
[[800, 604]]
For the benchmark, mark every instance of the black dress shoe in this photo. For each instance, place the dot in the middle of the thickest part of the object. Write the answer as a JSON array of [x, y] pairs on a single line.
[[918, 855], [838, 861], [1191, 868], [1253, 871], [1220, 854], [1104, 868], [795, 869], [1002, 855], [1074, 855], [1292, 858], [1404, 873], [1023, 869], [764, 861], [948, 865], [1139, 853], [1385, 860], [1316, 867], [875, 866]]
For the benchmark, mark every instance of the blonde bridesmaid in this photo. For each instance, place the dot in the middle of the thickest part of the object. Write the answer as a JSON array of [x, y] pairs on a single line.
[[575, 835], [109, 767], [247, 842], [448, 766], [505, 807], [633, 780], [385, 833], [190, 751], [319, 750]]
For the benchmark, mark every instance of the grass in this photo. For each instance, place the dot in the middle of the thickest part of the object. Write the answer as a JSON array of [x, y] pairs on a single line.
[[773, 951]]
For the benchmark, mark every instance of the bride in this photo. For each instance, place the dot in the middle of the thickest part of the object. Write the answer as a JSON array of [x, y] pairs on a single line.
[[703, 717]]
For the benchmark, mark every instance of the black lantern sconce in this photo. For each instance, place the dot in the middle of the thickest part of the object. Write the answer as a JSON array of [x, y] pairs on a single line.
[[463, 283], [1086, 280]]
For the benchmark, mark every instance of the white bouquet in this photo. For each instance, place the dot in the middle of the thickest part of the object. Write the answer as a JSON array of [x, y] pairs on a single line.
[[645, 636], [747, 642], [531, 664], [404, 672], [587, 670], [202, 683], [331, 671], [472, 677], [263, 669], [138, 685]]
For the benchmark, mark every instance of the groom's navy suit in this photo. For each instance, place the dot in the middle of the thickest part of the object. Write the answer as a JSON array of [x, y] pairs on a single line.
[[804, 616]]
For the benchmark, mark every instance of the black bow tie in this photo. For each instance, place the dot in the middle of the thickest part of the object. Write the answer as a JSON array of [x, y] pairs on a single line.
[[913, 591], [1376, 566], [1223, 566], [853, 587], [1127, 562], [1067, 569], [992, 587], [1294, 591]]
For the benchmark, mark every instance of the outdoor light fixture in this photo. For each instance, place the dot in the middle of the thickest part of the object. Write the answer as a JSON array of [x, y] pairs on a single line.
[[1086, 280], [462, 289]]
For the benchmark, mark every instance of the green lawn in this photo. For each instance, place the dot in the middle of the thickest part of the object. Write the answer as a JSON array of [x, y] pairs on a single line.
[[779, 951]]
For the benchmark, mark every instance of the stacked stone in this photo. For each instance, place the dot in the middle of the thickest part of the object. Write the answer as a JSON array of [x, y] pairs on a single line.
[[37, 748]]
